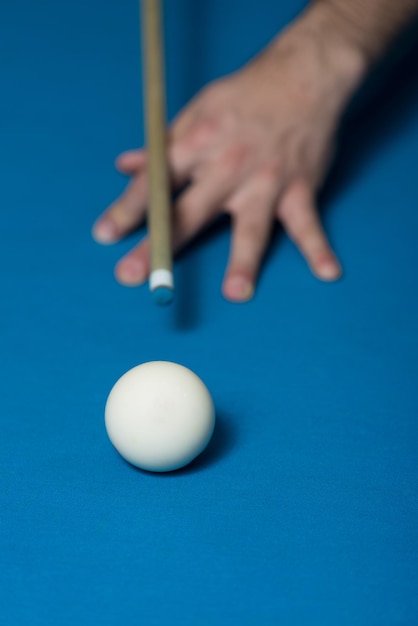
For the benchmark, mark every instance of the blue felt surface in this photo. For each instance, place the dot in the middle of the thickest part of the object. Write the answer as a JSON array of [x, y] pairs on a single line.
[[303, 511]]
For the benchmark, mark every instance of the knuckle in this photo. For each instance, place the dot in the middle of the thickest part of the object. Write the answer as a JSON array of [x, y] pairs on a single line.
[[204, 132], [271, 170], [236, 158]]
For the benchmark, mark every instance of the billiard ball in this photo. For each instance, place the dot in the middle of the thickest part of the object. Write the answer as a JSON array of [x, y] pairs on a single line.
[[159, 416]]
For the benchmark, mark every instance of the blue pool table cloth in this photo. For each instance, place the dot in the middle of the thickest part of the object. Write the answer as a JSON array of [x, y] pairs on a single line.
[[303, 511]]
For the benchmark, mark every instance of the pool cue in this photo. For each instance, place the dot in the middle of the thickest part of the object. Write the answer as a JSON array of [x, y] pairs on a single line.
[[161, 279]]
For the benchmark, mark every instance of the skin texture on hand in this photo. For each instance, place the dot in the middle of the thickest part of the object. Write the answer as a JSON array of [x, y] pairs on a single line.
[[370, 25], [257, 145]]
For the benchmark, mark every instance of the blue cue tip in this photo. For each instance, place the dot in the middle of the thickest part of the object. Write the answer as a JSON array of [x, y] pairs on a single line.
[[162, 295]]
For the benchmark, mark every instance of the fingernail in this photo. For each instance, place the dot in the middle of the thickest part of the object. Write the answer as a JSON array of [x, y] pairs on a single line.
[[132, 271], [105, 231], [239, 289], [329, 270]]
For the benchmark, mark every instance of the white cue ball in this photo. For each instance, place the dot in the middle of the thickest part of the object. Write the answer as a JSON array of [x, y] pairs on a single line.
[[159, 416]]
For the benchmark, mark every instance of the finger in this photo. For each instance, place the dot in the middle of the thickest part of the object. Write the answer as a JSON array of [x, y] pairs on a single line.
[[182, 122], [125, 214], [206, 196], [129, 210], [194, 147], [300, 219], [134, 162], [133, 269], [131, 162], [181, 156], [194, 209], [253, 220]]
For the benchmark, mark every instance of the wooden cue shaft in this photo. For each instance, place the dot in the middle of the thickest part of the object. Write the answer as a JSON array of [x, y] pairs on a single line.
[[159, 211]]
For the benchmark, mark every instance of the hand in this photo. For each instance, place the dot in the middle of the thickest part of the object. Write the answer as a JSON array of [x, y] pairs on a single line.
[[257, 145]]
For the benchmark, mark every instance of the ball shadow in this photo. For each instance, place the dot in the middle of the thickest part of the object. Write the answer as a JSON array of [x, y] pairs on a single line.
[[224, 439]]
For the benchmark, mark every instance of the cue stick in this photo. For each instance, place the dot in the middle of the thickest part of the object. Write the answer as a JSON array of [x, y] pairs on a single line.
[[161, 279]]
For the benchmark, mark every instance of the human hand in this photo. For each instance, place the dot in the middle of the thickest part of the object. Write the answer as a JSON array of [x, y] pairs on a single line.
[[256, 145]]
